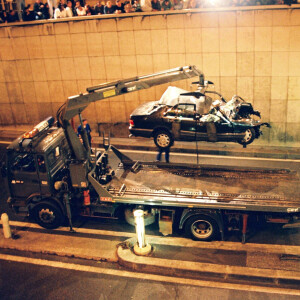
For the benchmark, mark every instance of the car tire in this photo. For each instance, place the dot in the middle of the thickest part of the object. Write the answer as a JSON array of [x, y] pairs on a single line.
[[250, 135], [201, 228], [48, 215], [163, 139]]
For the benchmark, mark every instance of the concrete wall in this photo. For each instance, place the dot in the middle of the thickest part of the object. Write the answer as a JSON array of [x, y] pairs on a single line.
[[253, 53]]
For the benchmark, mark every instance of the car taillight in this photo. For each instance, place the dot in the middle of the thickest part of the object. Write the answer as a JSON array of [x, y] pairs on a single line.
[[131, 123]]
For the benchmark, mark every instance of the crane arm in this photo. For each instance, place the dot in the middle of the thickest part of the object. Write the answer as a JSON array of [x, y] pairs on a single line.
[[76, 104]]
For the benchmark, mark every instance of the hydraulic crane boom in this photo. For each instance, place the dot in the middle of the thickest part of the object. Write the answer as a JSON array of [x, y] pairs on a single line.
[[76, 104]]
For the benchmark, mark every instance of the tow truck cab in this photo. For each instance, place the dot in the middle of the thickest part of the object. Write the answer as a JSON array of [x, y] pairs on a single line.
[[34, 164]]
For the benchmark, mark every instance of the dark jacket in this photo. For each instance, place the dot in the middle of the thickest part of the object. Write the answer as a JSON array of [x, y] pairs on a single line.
[[28, 16]]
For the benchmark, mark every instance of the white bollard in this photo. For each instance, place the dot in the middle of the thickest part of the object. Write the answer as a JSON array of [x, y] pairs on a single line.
[[141, 247], [6, 227]]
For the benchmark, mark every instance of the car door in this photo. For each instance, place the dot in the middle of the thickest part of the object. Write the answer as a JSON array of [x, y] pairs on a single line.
[[188, 123]]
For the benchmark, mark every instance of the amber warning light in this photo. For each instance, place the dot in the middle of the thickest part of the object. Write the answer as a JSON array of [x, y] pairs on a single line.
[[39, 128]]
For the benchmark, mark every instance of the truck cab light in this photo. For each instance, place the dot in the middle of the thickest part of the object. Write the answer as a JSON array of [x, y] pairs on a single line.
[[39, 128]]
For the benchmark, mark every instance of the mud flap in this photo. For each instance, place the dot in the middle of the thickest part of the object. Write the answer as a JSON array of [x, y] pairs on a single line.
[[165, 221], [211, 131], [176, 129]]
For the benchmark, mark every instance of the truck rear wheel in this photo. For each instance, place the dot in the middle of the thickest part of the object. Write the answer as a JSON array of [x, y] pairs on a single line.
[[48, 215], [201, 228]]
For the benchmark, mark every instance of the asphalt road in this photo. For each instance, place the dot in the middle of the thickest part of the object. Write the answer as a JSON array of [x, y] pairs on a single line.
[[79, 279]]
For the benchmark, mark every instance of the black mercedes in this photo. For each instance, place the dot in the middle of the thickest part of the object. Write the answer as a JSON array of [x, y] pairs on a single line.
[[191, 116]]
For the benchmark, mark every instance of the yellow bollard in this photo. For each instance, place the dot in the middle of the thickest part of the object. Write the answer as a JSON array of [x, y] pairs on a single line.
[[6, 227]]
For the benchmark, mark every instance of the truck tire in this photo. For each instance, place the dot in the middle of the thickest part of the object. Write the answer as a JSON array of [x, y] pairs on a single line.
[[163, 139], [201, 228], [48, 215]]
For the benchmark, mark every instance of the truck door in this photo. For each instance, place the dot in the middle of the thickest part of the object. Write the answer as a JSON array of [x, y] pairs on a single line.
[[43, 176], [23, 176]]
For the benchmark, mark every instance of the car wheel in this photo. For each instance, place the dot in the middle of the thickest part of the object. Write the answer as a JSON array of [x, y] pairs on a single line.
[[48, 215], [249, 137], [201, 228], [163, 139]]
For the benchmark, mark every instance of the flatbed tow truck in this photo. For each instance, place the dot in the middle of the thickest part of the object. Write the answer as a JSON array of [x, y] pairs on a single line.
[[52, 176]]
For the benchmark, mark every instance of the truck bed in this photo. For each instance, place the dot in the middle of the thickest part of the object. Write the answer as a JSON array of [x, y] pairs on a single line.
[[205, 186]]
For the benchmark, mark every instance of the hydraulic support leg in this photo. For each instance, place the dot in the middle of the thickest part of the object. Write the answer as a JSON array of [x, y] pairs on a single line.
[[68, 208], [244, 231]]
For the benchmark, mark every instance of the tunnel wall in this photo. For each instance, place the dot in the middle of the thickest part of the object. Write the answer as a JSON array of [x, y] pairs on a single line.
[[252, 52]]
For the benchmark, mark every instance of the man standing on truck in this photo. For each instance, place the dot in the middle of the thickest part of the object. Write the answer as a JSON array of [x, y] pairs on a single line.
[[87, 127]]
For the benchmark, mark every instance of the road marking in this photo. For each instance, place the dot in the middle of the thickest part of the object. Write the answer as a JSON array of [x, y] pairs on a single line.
[[78, 230], [145, 276], [214, 156], [178, 241]]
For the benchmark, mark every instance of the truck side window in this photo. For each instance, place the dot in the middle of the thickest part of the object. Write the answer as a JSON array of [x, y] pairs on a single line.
[[54, 156], [41, 163], [24, 162]]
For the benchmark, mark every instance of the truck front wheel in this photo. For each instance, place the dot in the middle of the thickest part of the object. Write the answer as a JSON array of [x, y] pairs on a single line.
[[201, 228], [48, 215]]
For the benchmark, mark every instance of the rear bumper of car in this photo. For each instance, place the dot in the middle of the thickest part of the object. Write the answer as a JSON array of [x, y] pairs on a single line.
[[140, 132]]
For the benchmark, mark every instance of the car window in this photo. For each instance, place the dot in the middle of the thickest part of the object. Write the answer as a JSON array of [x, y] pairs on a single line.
[[23, 162], [186, 110]]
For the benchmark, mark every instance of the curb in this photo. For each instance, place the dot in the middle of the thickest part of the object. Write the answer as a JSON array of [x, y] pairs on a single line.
[[60, 253], [167, 267], [66, 246]]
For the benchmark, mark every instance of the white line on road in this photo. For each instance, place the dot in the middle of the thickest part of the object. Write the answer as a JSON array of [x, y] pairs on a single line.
[[214, 156], [145, 276], [78, 230]]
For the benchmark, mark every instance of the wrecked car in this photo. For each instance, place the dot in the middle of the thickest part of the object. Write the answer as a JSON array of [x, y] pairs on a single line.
[[194, 116]]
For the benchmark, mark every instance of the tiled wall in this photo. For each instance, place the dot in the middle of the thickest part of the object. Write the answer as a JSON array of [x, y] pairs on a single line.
[[252, 53]]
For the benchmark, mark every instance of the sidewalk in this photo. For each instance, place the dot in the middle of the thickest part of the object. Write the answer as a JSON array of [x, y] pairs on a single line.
[[170, 256], [226, 149]]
